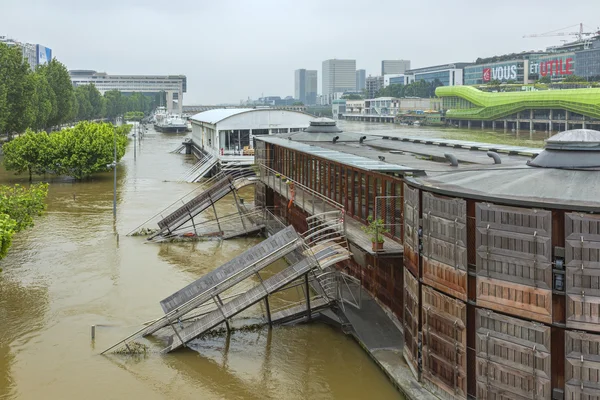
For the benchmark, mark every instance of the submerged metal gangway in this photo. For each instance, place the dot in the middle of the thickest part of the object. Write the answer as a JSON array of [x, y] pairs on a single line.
[[227, 181], [320, 247]]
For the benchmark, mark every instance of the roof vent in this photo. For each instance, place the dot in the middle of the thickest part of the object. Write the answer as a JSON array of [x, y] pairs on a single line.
[[323, 125], [574, 149], [495, 156], [362, 138], [335, 139]]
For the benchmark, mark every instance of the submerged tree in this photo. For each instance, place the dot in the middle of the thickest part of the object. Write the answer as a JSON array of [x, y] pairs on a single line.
[[29, 153]]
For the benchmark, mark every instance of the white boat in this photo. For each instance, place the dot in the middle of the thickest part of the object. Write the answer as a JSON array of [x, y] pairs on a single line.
[[170, 123]]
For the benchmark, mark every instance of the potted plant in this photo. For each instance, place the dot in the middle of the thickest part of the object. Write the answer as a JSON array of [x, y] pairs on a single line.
[[375, 229]]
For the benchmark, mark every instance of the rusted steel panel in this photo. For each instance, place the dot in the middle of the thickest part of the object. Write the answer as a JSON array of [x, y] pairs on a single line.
[[411, 321], [512, 298], [582, 366], [582, 260], [444, 343], [445, 278], [513, 357], [411, 229]]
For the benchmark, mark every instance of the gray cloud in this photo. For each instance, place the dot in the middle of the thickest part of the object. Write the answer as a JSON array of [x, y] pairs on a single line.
[[230, 50]]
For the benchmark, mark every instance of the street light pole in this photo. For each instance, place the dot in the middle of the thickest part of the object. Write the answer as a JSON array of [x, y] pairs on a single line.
[[115, 176]]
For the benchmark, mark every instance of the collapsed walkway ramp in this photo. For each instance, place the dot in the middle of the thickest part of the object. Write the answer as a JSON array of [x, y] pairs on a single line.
[[200, 169], [252, 296], [221, 279]]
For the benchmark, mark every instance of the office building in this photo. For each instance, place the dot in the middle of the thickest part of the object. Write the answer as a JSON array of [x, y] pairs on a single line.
[[373, 85], [394, 79], [173, 85], [361, 77], [394, 66], [338, 76], [34, 54], [305, 86], [448, 74]]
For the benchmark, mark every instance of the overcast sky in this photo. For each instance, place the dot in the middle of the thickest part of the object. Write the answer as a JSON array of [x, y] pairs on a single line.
[[231, 50]]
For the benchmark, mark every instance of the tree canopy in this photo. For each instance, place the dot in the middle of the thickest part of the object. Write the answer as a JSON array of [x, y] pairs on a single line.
[[77, 152], [420, 88], [18, 206]]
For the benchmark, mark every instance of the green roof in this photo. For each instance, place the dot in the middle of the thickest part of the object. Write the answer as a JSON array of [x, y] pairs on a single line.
[[490, 106]]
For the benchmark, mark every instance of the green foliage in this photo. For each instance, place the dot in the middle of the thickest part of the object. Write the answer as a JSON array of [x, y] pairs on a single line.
[[60, 82], [352, 96], [574, 78], [115, 104], [21, 204], [133, 116], [78, 152], [7, 231], [28, 153], [375, 229], [44, 100], [17, 90], [18, 206], [421, 89], [91, 104], [86, 149], [545, 79]]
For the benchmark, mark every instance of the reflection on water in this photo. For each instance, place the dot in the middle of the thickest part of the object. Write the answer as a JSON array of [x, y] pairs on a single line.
[[72, 270]]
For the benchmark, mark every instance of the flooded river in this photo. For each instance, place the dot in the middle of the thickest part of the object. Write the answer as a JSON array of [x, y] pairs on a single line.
[[72, 271]]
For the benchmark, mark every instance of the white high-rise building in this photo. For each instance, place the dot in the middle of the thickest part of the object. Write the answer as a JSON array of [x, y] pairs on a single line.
[[338, 76], [305, 86], [394, 67]]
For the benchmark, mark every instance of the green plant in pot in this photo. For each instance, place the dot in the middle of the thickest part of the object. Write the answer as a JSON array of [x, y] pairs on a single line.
[[375, 229]]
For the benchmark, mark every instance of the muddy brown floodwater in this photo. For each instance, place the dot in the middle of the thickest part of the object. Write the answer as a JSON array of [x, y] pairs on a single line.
[[71, 271]]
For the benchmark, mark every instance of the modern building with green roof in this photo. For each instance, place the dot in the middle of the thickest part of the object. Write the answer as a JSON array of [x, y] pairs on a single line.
[[545, 110]]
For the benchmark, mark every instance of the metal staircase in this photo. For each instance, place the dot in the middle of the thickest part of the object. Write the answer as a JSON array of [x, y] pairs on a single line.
[[200, 169], [323, 245]]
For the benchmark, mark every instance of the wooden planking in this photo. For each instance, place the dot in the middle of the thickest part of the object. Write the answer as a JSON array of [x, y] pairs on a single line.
[[513, 357], [411, 321], [411, 229], [582, 366], [444, 343], [512, 382], [445, 278], [444, 244], [515, 299], [582, 260], [515, 219]]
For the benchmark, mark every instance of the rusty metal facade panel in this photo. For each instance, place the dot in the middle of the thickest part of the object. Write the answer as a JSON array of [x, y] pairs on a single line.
[[582, 261], [582, 366], [513, 358], [411, 229], [444, 344], [444, 244], [411, 321], [514, 260]]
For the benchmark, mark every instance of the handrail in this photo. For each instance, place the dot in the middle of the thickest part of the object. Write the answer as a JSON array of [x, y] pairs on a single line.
[[304, 188]]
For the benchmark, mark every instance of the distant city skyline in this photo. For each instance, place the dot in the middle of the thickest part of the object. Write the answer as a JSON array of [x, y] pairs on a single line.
[[250, 36]]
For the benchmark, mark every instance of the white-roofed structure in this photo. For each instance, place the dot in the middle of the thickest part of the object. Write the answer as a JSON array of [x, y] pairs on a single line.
[[228, 133]]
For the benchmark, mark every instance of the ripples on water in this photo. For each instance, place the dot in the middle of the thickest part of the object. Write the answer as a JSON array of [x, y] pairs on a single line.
[[72, 271]]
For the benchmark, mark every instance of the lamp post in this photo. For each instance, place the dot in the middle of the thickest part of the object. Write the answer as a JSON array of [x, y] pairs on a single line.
[[113, 165]]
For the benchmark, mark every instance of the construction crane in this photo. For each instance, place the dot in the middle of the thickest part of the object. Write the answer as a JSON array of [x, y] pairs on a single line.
[[556, 32]]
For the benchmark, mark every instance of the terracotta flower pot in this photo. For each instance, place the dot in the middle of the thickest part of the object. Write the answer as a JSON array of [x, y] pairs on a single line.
[[377, 246]]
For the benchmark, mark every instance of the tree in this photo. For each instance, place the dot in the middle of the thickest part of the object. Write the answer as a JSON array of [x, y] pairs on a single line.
[[21, 203], [574, 78], [29, 152], [545, 79], [17, 90], [43, 102], [299, 103], [85, 149], [59, 80], [114, 104], [352, 96], [18, 206]]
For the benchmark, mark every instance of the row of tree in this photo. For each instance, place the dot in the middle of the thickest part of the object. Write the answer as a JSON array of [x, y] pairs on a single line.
[[422, 89], [33, 99], [46, 98], [78, 152]]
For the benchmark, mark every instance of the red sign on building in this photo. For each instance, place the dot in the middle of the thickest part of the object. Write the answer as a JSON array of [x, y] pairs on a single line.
[[487, 74], [556, 67]]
